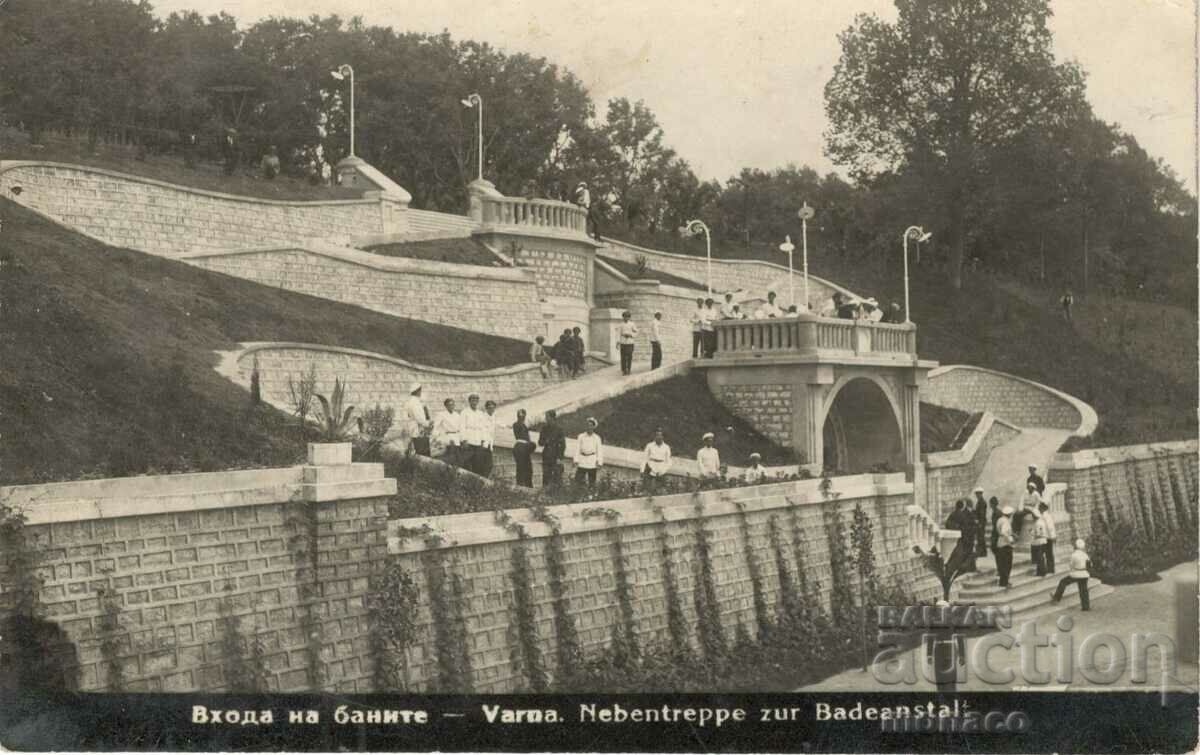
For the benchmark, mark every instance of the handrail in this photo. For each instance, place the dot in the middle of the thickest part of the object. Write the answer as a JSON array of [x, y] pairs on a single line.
[[549, 214], [808, 333], [925, 533]]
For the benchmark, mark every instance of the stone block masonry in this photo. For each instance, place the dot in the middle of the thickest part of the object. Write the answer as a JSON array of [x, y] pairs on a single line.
[[501, 301], [194, 565], [161, 218], [950, 475], [377, 379], [767, 407], [1128, 482], [558, 273], [642, 301], [1013, 399]]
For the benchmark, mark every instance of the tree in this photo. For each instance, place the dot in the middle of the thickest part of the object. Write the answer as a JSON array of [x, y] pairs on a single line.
[[940, 90]]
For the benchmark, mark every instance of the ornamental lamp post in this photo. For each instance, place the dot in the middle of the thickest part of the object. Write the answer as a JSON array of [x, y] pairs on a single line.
[[691, 228], [789, 247], [475, 100], [918, 234], [806, 213], [345, 71]]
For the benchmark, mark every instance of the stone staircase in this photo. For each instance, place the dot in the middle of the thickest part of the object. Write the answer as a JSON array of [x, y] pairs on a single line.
[[1028, 595]]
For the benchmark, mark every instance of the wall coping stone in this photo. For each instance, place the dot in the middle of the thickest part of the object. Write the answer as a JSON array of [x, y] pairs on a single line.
[[47, 503], [966, 454], [481, 528], [375, 261], [1088, 416], [1098, 457], [229, 359], [6, 165]]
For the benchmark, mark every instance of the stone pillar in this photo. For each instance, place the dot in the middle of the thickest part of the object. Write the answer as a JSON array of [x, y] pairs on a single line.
[[479, 189], [605, 324], [808, 415], [910, 419]]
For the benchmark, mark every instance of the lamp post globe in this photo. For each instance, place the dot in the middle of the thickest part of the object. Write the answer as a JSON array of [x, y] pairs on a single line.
[[343, 72], [918, 234], [475, 100]]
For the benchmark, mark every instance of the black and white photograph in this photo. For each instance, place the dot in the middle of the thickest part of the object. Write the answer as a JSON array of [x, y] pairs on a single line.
[[638, 376]]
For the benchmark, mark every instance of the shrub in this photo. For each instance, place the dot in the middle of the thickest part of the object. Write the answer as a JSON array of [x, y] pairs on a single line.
[[333, 423]]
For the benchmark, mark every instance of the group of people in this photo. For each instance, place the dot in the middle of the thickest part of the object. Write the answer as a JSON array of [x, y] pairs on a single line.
[[704, 333], [848, 308], [567, 355], [460, 437], [1007, 525]]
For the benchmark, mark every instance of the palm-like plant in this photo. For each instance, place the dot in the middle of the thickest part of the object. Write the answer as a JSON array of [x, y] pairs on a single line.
[[946, 569], [333, 423]]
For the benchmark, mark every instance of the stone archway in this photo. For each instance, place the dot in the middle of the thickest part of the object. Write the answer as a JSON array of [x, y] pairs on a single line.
[[861, 429]]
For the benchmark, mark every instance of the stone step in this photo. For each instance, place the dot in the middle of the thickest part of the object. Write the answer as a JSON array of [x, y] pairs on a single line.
[[1031, 596], [1018, 586], [1070, 600]]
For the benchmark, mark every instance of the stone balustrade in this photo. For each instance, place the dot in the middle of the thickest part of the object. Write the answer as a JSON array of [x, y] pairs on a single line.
[[534, 215], [925, 533], [810, 334]]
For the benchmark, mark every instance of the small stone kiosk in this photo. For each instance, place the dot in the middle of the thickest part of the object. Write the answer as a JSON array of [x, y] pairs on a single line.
[[844, 393]]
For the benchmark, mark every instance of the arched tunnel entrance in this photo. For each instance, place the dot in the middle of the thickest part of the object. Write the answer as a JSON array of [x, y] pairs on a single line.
[[861, 432]]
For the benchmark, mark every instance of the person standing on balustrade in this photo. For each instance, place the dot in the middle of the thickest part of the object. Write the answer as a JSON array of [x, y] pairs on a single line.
[[626, 337], [697, 320], [708, 316], [589, 454]]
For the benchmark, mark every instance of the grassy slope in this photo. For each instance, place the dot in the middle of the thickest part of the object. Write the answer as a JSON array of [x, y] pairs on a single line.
[[205, 175], [464, 251], [1141, 380], [106, 356], [685, 409]]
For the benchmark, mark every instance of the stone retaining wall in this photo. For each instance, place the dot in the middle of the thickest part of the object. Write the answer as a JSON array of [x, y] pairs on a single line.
[[160, 577], [161, 218], [642, 300], [502, 301], [767, 407], [1013, 399], [754, 276], [558, 272], [378, 379], [439, 224], [1127, 481], [950, 475]]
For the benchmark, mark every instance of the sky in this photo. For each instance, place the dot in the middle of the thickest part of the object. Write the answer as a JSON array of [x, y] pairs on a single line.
[[739, 83]]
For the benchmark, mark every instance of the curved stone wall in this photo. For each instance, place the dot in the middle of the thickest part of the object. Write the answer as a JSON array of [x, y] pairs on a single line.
[[376, 378], [950, 475], [162, 218], [1013, 399], [502, 301]]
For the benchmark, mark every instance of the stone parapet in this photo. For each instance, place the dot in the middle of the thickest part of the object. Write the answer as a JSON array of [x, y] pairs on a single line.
[[1014, 399], [951, 475]]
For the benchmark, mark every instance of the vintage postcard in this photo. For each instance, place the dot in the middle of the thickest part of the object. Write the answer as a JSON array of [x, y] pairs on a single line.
[[639, 376]]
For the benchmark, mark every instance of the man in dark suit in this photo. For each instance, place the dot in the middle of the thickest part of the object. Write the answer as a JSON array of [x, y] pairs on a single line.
[[1036, 479], [554, 446]]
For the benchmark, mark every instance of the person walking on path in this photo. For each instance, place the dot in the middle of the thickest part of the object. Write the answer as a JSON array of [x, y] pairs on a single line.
[[448, 435], [709, 458], [554, 447], [589, 454], [416, 416], [708, 331], [578, 350], [538, 355], [1066, 302], [1047, 519], [1036, 479], [756, 472], [697, 321], [1004, 546], [1079, 574], [627, 336], [656, 341], [658, 462], [981, 523], [523, 451]]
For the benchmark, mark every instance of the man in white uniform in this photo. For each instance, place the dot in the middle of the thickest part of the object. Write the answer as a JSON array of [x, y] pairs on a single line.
[[417, 419], [656, 341], [589, 454], [448, 435], [756, 471], [658, 462], [476, 430], [709, 459]]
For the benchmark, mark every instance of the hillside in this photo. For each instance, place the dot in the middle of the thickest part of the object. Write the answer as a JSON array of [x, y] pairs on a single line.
[[1133, 361], [107, 357]]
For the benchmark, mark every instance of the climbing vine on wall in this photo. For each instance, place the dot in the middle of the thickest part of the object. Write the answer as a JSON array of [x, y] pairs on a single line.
[[569, 654], [302, 545], [108, 632], [708, 609], [862, 538], [841, 591], [449, 635], [528, 653], [789, 601], [242, 658], [392, 605], [20, 585], [676, 626], [762, 615]]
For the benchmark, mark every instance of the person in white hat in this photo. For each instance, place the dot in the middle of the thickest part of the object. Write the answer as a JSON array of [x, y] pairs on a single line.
[[448, 435], [477, 428], [658, 462], [1036, 480], [1079, 574], [419, 423], [589, 453], [1004, 545], [709, 458], [756, 471]]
